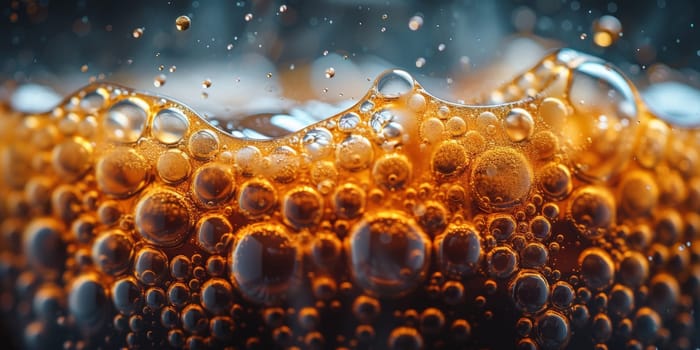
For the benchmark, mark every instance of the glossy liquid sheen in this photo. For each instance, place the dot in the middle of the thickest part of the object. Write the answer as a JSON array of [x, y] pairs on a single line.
[[568, 218]]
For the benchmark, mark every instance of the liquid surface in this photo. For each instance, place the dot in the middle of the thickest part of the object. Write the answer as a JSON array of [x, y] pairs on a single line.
[[568, 218]]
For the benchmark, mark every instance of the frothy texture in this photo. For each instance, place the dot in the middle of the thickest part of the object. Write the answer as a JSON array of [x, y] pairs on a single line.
[[567, 217]]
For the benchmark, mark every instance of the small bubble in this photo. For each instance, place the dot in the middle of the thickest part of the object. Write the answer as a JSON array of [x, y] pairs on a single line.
[[206, 83], [161, 67], [415, 23], [84, 68], [172, 69], [607, 29], [269, 75], [159, 80], [183, 23], [330, 72], [229, 47], [248, 17], [283, 8], [441, 47], [137, 33], [583, 36], [420, 62]]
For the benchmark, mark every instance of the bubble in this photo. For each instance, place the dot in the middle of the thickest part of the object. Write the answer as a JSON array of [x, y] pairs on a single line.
[[530, 291], [597, 268], [112, 252], [194, 321], [137, 33], [449, 159], [221, 328], [458, 251], [456, 126], [127, 296], [652, 143], [432, 130], [173, 166], [247, 160], [502, 262], [501, 226], [534, 255], [180, 267], [433, 218], [601, 328], [302, 207], [392, 172], [664, 292], [122, 172], [160, 80], [264, 263], [126, 120], [555, 181], [405, 338], [592, 210], [330, 72], [518, 124], [562, 295], [318, 142], [606, 30], [48, 302], [211, 231], [501, 178], [647, 324], [354, 153], [349, 201], [182, 23], [394, 83], [283, 164], [93, 101], [169, 126], [203, 144], [163, 217], [257, 197], [178, 294], [72, 158], [150, 266], [431, 321], [553, 330], [326, 250], [544, 145], [349, 122], [389, 254], [415, 22], [213, 184], [603, 129], [639, 193], [633, 269], [366, 308], [217, 296], [87, 301], [44, 245], [621, 301], [553, 112]]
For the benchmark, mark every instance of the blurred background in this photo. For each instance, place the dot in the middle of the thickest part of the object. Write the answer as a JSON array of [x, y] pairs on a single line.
[[242, 56]]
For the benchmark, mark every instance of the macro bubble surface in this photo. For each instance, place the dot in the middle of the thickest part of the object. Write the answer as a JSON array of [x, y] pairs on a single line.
[[566, 218]]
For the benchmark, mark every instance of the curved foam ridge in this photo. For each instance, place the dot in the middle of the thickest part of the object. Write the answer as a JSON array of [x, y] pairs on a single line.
[[561, 212]]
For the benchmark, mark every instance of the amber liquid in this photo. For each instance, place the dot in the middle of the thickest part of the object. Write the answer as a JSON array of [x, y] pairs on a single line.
[[567, 218]]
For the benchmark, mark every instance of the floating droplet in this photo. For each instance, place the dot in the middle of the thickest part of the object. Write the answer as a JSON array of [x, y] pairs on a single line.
[[183, 23], [415, 23]]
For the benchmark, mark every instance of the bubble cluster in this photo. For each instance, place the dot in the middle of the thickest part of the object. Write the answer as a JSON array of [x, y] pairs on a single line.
[[405, 221]]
